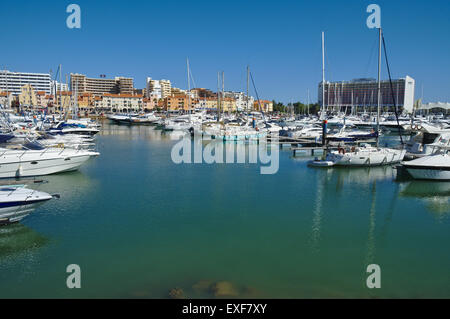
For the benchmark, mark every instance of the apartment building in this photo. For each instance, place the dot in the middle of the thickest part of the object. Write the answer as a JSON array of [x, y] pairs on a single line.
[[202, 93], [56, 86], [27, 96], [122, 102], [14, 81], [241, 100], [159, 88], [98, 86], [63, 100], [176, 102], [263, 105], [5, 99]]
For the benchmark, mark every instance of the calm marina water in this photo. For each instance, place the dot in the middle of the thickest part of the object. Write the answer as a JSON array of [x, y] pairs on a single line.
[[139, 225]]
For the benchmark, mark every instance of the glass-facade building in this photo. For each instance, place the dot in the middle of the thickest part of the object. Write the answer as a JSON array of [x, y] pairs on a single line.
[[362, 93]]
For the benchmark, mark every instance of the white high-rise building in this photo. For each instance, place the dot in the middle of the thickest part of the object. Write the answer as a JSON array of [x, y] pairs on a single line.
[[159, 88], [241, 100], [14, 81], [63, 87], [363, 93]]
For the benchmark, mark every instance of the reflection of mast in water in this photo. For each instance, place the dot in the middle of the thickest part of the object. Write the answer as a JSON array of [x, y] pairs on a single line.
[[371, 237], [389, 214], [317, 218]]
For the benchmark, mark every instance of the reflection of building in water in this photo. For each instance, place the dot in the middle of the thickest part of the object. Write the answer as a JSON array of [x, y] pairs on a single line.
[[17, 239], [435, 195], [133, 131]]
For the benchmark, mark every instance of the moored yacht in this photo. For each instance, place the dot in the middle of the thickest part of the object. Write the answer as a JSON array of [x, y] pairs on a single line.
[[35, 160], [366, 156], [16, 202], [432, 167], [65, 128]]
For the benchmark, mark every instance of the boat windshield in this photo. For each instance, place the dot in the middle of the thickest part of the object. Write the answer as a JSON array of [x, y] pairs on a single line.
[[33, 146]]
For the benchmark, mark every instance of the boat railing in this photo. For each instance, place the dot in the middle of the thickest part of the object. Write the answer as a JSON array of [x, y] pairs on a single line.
[[45, 150]]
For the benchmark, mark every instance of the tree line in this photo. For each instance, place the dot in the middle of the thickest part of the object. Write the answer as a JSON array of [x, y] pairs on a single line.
[[296, 108]]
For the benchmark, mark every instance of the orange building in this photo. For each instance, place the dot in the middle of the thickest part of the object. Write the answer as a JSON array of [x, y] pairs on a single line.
[[86, 101], [176, 102]]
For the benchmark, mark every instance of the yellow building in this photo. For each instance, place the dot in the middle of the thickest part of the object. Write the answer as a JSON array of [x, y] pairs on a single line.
[[228, 105], [27, 96], [63, 100], [267, 106], [209, 103]]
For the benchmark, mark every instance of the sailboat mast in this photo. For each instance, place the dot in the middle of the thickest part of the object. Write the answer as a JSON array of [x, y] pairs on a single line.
[[218, 96], [60, 95], [308, 102], [323, 72], [189, 85], [379, 85], [248, 79], [223, 89]]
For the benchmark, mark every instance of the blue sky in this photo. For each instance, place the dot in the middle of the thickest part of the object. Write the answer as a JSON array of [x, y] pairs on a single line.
[[280, 41]]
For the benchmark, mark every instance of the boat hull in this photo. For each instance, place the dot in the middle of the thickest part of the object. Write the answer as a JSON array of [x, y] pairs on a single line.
[[29, 168], [365, 159], [428, 173], [14, 210]]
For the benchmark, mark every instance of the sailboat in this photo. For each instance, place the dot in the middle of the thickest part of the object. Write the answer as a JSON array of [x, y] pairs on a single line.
[[369, 155]]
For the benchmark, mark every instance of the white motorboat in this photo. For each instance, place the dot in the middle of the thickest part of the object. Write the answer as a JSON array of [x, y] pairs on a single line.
[[432, 167], [144, 119], [366, 156], [27, 162], [320, 163], [16, 202], [427, 141], [79, 129]]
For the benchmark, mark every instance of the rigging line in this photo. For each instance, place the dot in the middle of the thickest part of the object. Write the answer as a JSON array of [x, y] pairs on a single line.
[[392, 91], [372, 52], [192, 78], [257, 96], [328, 69]]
